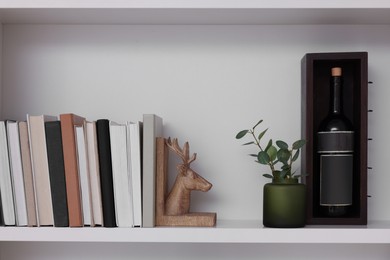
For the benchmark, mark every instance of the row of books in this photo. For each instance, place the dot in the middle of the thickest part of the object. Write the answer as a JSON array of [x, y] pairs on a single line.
[[67, 171]]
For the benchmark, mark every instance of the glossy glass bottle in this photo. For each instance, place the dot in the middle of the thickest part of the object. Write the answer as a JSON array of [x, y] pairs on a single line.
[[335, 151]]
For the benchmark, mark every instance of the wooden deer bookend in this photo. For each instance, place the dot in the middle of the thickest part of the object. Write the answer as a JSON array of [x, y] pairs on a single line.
[[173, 208]]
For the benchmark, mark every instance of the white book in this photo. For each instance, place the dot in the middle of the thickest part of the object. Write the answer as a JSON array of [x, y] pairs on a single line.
[[121, 175], [82, 161], [135, 137], [15, 159], [40, 168], [94, 173], [6, 192]]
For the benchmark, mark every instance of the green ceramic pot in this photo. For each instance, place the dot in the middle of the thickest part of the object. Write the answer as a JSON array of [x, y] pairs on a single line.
[[284, 204]]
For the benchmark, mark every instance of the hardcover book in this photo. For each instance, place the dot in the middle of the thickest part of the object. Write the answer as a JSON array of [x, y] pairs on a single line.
[[16, 173], [94, 172], [152, 128], [27, 174], [135, 140], [57, 173], [6, 193], [84, 176], [73, 193], [121, 175], [105, 165], [40, 166]]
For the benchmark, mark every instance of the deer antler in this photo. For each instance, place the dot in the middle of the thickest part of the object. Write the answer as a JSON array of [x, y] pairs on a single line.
[[184, 153]]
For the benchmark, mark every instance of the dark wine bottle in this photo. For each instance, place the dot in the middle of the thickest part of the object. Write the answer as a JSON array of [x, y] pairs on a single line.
[[335, 151]]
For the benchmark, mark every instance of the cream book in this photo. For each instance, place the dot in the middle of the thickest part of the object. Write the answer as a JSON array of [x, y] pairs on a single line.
[[94, 173], [40, 167], [27, 174]]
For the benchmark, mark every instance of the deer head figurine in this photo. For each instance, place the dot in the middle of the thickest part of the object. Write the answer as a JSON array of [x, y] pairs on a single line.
[[178, 200]]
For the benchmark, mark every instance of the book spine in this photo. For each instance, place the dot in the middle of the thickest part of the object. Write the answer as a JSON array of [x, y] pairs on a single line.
[[105, 163], [94, 172], [84, 176], [6, 192], [57, 173], [40, 168], [27, 174], [135, 153], [17, 173], [121, 175], [152, 128], [73, 192]]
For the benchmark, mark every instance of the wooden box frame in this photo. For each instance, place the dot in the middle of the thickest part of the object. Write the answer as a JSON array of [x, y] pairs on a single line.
[[315, 106]]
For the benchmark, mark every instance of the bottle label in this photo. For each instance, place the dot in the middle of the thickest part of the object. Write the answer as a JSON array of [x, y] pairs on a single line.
[[335, 142], [336, 171]]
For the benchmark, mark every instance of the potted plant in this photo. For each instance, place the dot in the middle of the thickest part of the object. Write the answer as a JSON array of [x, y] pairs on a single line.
[[284, 200]]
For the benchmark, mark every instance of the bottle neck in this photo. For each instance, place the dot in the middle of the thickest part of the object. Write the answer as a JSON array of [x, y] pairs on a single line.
[[336, 104]]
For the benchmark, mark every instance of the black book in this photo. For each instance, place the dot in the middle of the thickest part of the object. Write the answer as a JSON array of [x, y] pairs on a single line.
[[1, 215], [105, 164], [55, 158]]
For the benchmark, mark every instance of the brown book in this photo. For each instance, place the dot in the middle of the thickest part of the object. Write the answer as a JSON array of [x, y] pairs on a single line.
[[73, 193], [40, 168], [27, 174]]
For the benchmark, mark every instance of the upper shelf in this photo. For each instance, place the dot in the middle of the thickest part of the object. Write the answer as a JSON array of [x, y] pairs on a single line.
[[195, 12], [194, 4], [225, 232]]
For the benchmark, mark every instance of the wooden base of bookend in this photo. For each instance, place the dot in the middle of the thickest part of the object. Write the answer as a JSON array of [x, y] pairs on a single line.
[[188, 220], [178, 205]]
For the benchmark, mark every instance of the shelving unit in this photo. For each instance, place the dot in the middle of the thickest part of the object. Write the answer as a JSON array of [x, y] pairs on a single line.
[[225, 64], [225, 232]]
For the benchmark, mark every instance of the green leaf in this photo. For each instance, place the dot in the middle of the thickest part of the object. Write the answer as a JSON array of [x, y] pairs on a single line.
[[241, 134], [285, 173], [281, 144], [258, 123], [298, 144], [263, 157], [283, 155], [262, 134], [268, 175], [296, 155], [271, 151], [249, 143], [268, 145], [285, 167]]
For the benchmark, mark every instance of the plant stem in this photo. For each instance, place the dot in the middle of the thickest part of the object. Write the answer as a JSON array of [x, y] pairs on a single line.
[[270, 163]]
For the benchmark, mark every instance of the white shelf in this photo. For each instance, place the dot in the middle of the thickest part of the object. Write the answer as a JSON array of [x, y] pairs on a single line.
[[198, 14], [194, 4], [225, 232]]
